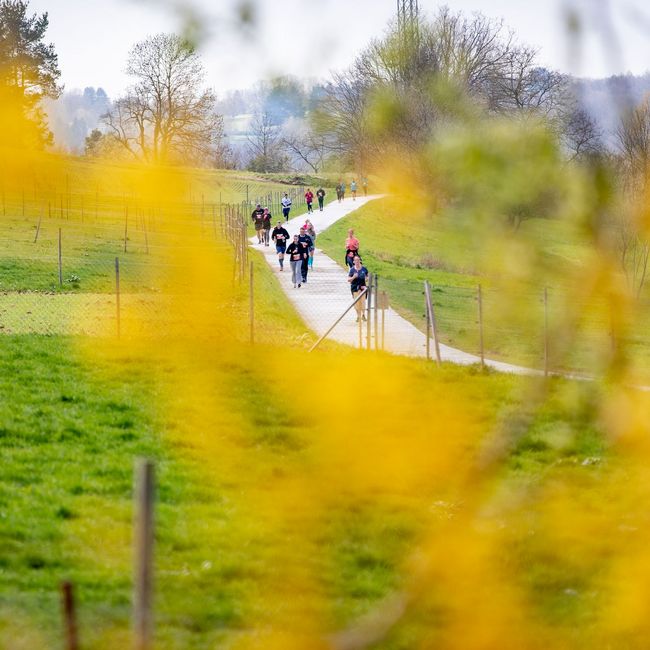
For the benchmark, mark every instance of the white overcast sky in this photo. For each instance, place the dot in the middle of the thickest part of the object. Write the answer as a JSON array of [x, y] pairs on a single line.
[[311, 38]]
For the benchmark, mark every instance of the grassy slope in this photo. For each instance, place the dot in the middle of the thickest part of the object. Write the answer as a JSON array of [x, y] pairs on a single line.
[[405, 251]]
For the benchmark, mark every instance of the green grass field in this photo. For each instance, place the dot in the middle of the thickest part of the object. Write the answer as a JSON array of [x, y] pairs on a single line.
[[239, 437], [70, 433]]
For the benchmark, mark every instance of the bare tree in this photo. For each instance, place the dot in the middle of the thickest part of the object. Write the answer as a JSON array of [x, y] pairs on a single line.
[[167, 115], [633, 136], [306, 146], [580, 135], [399, 91], [265, 145]]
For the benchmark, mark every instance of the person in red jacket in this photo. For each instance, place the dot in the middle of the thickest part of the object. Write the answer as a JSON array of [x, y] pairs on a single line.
[[309, 198]]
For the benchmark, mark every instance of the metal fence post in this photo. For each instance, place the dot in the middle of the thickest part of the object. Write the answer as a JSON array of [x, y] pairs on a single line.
[[368, 312], [432, 316], [376, 303]]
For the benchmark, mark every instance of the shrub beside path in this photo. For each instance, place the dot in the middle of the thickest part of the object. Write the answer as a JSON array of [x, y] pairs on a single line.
[[326, 296]]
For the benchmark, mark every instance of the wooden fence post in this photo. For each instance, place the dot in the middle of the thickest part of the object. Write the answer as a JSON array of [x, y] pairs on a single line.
[[143, 555], [479, 297], [60, 260], [69, 617], [126, 225], [428, 315], [545, 331], [38, 227], [252, 305], [117, 295]]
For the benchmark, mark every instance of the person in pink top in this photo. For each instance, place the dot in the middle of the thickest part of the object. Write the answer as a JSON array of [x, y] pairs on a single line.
[[309, 198], [351, 248]]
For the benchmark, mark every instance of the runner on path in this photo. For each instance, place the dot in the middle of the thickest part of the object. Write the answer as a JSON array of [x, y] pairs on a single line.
[[295, 260], [280, 236], [258, 220], [309, 198], [364, 183], [338, 191], [286, 206], [351, 248], [267, 225], [311, 231], [357, 279], [353, 189], [306, 247], [320, 194], [342, 190]]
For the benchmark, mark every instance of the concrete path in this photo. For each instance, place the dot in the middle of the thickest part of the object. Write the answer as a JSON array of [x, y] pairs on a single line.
[[327, 295]]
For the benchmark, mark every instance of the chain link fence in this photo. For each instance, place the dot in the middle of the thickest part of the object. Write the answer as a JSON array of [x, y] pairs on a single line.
[[98, 263], [102, 264]]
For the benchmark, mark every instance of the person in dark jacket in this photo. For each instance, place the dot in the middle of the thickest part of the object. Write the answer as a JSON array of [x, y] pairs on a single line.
[[294, 251], [257, 217], [267, 225], [320, 195], [280, 236], [306, 246], [357, 278]]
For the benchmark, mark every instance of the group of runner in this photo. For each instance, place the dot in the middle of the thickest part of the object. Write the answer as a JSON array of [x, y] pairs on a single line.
[[341, 188], [320, 196], [357, 273], [309, 199], [261, 218], [300, 248]]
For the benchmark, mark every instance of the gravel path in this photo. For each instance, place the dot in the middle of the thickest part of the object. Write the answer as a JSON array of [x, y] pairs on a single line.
[[326, 296]]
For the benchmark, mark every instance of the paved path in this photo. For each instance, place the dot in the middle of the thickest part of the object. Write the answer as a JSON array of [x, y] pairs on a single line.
[[326, 296]]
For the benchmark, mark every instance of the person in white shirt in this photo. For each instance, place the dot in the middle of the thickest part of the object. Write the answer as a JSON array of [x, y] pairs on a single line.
[[286, 206]]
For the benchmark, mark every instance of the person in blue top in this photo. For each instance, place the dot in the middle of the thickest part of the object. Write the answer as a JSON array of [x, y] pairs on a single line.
[[342, 190], [353, 189], [357, 279]]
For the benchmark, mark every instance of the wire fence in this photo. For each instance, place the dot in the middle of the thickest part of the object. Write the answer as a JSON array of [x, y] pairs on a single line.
[[95, 263], [548, 329], [92, 263]]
